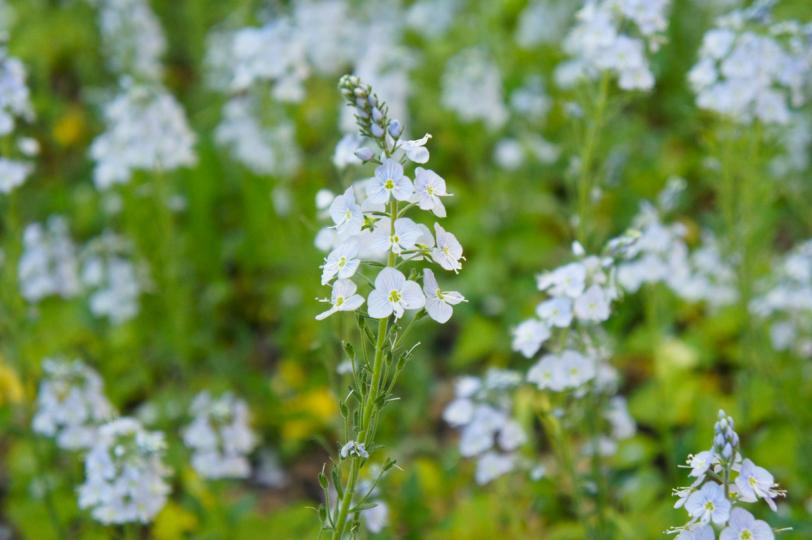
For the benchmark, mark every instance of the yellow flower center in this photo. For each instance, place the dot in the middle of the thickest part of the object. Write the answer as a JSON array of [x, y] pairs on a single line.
[[342, 262], [339, 300], [389, 184], [394, 297]]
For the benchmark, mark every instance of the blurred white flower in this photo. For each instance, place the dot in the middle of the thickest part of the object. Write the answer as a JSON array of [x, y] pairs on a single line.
[[125, 477], [220, 436], [70, 403]]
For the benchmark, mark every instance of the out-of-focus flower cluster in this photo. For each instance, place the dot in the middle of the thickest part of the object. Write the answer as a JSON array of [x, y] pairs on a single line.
[[220, 436], [752, 69], [612, 36], [70, 404], [786, 301], [125, 474], [15, 105], [483, 412]]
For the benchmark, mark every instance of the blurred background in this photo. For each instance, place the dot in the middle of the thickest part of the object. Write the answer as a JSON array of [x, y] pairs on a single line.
[[237, 250]]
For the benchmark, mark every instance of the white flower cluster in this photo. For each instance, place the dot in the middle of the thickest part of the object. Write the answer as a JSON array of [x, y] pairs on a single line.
[[482, 410], [220, 436], [125, 477], [363, 231], [112, 277], [748, 70], [48, 265], [132, 38], [786, 301], [263, 149], [15, 105], [602, 41], [580, 291], [146, 130], [70, 403], [724, 479], [543, 22], [661, 255], [472, 88]]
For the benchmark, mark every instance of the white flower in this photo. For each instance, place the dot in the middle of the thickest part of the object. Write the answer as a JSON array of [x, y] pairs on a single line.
[[48, 264], [13, 174], [342, 261], [416, 150], [511, 436], [568, 280], [343, 298], [344, 154], [756, 482], [220, 436], [133, 41], [376, 518], [556, 311], [493, 465], [744, 526], [529, 336], [593, 305], [578, 369], [448, 251], [548, 373], [394, 294], [70, 404], [429, 187], [353, 449], [146, 128], [697, 532], [439, 302], [389, 181], [265, 149], [125, 474], [708, 504], [404, 237], [459, 412], [346, 214], [700, 463]]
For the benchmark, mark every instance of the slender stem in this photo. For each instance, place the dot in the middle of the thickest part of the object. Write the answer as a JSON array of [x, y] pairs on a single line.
[[585, 180], [366, 429], [561, 448]]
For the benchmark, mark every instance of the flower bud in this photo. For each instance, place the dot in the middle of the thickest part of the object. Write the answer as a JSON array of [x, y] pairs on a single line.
[[377, 130], [395, 129], [364, 154]]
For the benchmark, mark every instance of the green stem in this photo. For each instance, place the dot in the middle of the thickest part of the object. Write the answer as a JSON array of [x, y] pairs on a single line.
[[585, 180], [370, 404]]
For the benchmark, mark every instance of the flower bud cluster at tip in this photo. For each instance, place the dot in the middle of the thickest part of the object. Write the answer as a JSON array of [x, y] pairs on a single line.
[[371, 114]]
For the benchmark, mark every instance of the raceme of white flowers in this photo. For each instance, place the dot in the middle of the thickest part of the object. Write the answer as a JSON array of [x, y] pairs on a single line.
[[543, 22], [48, 265], [361, 234], [15, 105], [146, 129], [133, 40], [613, 36], [125, 476], [723, 480], [472, 88], [70, 404], [220, 436], [482, 411], [751, 70], [785, 300]]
